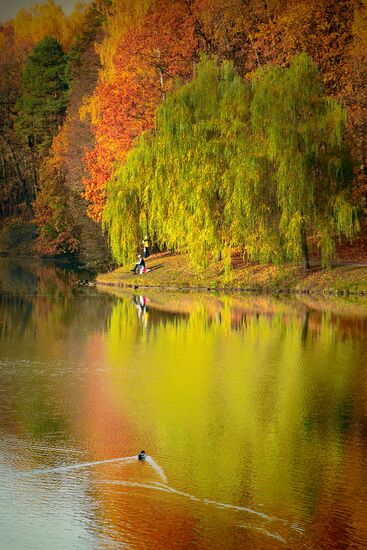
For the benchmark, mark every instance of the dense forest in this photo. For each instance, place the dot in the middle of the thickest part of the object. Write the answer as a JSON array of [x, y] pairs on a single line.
[[212, 126]]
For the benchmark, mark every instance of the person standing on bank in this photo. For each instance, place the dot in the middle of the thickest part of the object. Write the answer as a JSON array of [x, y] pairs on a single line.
[[146, 245]]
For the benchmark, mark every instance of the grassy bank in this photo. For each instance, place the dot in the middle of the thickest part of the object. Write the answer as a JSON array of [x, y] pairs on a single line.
[[174, 271]]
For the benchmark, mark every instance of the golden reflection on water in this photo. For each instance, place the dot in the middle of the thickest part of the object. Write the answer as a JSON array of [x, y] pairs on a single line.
[[253, 400], [252, 407]]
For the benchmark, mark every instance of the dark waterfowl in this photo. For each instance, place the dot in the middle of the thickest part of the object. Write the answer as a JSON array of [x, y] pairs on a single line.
[[141, 455]]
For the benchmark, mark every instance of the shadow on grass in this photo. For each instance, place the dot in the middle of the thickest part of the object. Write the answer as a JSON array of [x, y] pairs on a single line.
[[156, 267]]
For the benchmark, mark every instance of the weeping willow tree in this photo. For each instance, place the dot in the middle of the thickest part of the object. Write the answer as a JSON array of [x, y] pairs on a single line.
[[173, 183], [298, 134], [259, 167], [125, 215]]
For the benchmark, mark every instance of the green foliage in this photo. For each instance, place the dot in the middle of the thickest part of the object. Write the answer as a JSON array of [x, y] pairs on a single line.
[[299, 134], [229, 165], [44, 95], [172, 184]]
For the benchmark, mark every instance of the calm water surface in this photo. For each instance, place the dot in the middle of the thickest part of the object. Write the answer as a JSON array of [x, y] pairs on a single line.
[[253, 411]]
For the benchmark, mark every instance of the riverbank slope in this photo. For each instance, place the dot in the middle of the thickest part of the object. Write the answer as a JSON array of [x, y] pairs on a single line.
[[174, 271]]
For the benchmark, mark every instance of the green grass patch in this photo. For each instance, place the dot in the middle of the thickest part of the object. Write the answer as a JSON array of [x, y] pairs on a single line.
[[174, 271]]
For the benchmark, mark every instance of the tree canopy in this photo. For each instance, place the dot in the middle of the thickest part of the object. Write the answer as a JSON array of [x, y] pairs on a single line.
[[44, 94], [231, 165], [123, 61]]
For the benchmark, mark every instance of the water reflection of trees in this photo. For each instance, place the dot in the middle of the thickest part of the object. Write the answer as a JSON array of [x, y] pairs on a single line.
[[258, 400], [30, 276], [37, 295], [347, 316], [272, 388], [43, 314]]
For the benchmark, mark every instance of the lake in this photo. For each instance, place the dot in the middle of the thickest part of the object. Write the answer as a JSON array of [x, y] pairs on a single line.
[[252, 411]]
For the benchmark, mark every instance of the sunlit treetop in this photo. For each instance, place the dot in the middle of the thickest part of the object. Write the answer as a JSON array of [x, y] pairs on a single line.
[[47, 19]]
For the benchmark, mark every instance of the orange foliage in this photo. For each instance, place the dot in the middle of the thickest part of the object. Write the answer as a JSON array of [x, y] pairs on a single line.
[[322, 28], [10, 55], [355, 96], [146, 63], [120, 16], [227, 27], [142, 60]]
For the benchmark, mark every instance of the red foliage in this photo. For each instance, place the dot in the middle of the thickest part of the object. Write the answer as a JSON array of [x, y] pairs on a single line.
[[161, 49], [322, 28], [147, 62]]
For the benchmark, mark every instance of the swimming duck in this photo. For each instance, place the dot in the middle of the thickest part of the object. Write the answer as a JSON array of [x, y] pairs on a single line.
[[141, 455]]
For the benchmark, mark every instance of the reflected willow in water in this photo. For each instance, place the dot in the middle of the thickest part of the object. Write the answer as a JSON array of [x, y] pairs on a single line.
[[246, 403], [284, 377]]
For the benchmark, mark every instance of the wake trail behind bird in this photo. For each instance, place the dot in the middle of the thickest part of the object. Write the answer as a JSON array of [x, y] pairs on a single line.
[[156, 467], [157, 486], [79, 466]]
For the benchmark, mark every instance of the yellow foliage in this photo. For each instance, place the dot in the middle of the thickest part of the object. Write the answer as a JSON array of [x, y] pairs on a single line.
[[119, 19], [47, 19]]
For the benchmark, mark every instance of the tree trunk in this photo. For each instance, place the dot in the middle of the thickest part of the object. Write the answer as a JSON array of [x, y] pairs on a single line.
[[21, 180], [304, 246]]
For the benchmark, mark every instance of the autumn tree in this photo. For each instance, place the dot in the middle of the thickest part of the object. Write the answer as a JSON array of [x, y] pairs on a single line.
[[148, 60], [230, 167], [321, 28], [47, 19], [57, 235], [64, 226], [19, 165], [354, 96], [227, 28]]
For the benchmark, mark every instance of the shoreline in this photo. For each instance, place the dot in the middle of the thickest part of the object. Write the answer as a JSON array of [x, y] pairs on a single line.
[[173, 272]]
